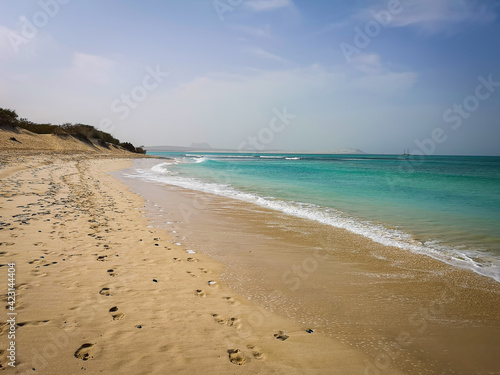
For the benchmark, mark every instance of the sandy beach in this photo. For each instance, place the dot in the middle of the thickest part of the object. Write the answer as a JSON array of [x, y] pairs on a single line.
[[247, 187], [99, 290]]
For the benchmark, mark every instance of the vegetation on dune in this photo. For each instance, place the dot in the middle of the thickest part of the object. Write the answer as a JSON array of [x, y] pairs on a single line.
[[82, 132], [8, 117]]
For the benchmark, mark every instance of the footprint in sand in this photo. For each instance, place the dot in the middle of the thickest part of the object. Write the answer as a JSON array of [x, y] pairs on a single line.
[[116, 315], [236, 357], [281, 335], [111, 272], [22, 286], [218, 319], [105, 292], [192, 259], [232, 322], [38, 273], [200, 293], [102, 258], [231, 300], [256, 352], [191, 274], [84, 352]]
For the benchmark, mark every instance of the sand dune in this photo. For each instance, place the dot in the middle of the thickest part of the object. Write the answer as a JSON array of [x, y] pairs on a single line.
[[23, 141]]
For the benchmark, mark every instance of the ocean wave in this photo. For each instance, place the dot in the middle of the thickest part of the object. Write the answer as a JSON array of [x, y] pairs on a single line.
[[478, 262], [160, 169]]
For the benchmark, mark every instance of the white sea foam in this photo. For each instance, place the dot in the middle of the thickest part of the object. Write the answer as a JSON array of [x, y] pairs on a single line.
[[475, 261]]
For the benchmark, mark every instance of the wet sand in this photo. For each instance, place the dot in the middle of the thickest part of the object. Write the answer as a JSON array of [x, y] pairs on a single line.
[[101, 291], [407, 313]]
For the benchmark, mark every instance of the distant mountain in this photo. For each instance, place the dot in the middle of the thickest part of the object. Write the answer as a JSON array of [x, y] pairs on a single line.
[[201, 146], [205, 147], [194, 147], [349, 151]]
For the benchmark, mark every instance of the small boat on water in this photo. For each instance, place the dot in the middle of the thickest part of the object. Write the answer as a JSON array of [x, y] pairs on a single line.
[[406, 153]]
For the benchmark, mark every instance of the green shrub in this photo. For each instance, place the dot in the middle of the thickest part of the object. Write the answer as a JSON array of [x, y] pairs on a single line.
[[82, 132], [8, 117]]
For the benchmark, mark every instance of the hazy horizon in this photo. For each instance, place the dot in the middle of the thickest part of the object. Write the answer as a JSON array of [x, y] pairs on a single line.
[[298, 152], [379, 76]]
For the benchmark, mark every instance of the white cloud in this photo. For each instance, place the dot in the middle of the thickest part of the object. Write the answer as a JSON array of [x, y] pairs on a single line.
[[367, 63], [91, 68], [372, 76], [427, 16], [433, 16], [6, 49], [260, 32], [15, 45], [62, 93], [223, 109], [265, 54], [387, 84], [266, 5]]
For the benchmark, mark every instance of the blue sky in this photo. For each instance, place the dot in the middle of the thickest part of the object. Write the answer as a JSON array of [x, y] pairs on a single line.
[[375, 75]]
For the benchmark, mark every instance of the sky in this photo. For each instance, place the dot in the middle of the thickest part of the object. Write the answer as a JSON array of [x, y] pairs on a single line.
[[377, 75]]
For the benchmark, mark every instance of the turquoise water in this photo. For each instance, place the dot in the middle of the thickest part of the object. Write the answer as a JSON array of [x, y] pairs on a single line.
[[445, 206]]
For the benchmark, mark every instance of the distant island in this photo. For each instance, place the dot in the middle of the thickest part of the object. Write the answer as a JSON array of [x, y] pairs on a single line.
[[205, 147]]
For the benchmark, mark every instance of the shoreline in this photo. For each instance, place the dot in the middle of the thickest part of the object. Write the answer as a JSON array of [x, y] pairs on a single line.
[[480, 261], [100, 290], [387, 279]]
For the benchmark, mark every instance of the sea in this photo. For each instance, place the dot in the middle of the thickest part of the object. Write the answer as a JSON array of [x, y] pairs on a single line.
[[446, 207]]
